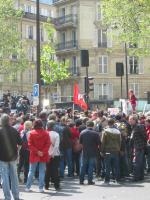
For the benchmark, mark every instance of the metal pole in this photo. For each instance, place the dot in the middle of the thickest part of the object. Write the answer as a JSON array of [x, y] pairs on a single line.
[[87, 86], [38, 60], [121, 93], [126, 64]]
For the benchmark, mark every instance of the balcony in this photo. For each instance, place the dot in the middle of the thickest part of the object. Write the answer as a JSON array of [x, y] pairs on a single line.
[[74, 71], [65, 21], [32, 16], [69, 45], [58, 1], [102, 44]]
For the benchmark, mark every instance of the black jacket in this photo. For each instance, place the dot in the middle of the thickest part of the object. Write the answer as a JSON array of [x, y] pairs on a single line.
[[9, 140], [90, 141]]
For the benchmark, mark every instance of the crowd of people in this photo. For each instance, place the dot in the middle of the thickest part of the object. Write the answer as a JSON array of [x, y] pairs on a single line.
[[74, 144]]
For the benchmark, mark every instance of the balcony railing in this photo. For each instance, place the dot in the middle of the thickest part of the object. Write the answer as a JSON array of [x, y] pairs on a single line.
[[74, 71], [65, 20], [67, 45], [57, 1], [32, 16], [103, 97], [102, 44]]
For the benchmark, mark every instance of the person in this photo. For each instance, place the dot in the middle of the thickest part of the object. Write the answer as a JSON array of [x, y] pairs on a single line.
[[24, 151], [110, 149], [132, 100], [138, 142], [52, 167], [147, 123], [90, 141], [39, 143], [9, 140], [65, 148]]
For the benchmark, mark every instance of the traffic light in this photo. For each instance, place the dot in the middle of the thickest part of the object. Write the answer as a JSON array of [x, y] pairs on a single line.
[[88, 84]]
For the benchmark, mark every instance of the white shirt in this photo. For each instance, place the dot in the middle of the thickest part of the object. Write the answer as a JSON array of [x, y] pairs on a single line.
[[54, 147]]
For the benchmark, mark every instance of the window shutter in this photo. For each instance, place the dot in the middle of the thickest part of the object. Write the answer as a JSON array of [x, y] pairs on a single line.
[[34, 51], [141, 66], [27, 31], [45, 36], [105, 64], [109, 37], [32, 9], [110, 94], [128, 64], [100, 64], [95, 38], [34, 32], [96, 91]]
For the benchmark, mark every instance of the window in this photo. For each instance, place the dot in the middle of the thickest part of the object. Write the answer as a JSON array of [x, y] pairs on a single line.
[[31, 53], [134, 65], [135, 88], [103, 64], [102, 38], [133, 45], [103, 91], [74, 65], [42, 34], [99, 12], [28, 8], [14, 77], [30, 32], [30, 75], [63, 12]]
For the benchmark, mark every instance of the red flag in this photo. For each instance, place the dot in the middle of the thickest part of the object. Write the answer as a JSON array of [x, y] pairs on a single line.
[[78, 98], [81, 102], [75, 93]]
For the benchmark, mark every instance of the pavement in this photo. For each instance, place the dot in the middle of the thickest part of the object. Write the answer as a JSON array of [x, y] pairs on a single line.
[[71, 190]]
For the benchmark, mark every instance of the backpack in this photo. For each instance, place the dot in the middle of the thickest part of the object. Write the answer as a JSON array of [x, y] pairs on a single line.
[[25, 141]]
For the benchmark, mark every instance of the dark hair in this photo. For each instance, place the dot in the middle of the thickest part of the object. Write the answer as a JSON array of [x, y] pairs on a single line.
[[118, 117], [111, 122], [78, 122], [90, 123], [51, 124], [100, 113], [37, 124]]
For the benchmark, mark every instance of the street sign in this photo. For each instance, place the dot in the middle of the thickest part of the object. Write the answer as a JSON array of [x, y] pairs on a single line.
[[36, 90]]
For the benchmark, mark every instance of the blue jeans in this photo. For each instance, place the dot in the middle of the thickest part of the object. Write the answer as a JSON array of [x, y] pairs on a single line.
[[32, 169], [138, 164], [66, 155], [87, 164], [112, 163], [9, 178]]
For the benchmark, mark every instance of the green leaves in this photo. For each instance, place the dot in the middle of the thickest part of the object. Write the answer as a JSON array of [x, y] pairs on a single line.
[[52, 70], [130, 21], [12, 55]]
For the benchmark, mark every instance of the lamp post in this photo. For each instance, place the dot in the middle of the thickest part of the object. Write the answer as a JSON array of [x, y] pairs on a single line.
[[126, 64], [38, 60]]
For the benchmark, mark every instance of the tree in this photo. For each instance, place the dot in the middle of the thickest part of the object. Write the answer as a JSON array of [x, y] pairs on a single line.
[[130, 22], [52, 70], [12, 55]]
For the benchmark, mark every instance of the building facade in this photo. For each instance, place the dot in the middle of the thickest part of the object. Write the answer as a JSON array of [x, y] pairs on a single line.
[[78, 25], [22, 83]]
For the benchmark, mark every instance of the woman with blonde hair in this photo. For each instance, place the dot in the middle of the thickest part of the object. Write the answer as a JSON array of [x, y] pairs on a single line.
[[24, 151]]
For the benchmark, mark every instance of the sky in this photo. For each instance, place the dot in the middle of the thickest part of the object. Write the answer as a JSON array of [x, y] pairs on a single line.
[[46, 1]]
